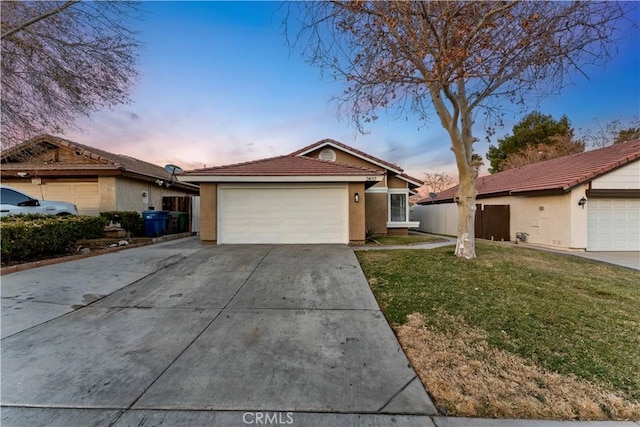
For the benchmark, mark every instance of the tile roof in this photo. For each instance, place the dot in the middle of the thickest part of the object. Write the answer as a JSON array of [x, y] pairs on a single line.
[[285, 166], [316, 145], [409, 178], [561, 174], [108, 160]]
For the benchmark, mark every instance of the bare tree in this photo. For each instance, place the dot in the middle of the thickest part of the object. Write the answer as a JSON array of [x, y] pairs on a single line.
[[457, 57], [61, 60], [436, 182], [613, 132], [563, 145]]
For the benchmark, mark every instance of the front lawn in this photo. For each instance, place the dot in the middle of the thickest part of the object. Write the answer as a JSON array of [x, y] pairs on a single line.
[[515, 333]]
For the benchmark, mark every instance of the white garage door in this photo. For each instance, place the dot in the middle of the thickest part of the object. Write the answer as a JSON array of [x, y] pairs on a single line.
[[283, 214], [85, 195], [613, 224]]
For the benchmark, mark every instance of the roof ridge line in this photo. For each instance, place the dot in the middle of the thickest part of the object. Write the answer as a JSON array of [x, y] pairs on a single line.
[[344, 146], [238, 164]]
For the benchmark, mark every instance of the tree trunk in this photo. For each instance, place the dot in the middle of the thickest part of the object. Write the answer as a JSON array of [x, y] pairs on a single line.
[[466, 200], [462, 147]]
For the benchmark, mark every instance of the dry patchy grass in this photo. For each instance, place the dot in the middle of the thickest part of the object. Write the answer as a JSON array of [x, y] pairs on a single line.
[[468, 377], [547, 317]]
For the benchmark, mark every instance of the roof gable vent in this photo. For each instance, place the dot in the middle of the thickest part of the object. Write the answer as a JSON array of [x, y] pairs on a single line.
[[328, 155]]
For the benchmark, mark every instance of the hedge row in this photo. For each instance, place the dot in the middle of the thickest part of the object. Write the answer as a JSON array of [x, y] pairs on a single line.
[[129, 220], [25, 237]]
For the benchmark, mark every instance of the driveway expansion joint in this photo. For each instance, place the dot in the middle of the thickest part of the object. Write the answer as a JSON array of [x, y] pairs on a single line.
[[137, 355]]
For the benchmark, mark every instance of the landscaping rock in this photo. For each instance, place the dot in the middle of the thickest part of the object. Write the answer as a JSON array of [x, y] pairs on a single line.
[[114, 231]]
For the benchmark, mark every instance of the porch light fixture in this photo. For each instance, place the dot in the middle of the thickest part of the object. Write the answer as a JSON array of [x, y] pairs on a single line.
[[356, 197], [582, 202]]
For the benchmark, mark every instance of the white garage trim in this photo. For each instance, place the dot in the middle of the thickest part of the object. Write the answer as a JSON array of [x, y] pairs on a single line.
[[283, 213], [613, 224]]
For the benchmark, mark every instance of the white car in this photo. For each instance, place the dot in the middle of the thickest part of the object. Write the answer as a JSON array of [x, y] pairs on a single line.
[[14, 202]]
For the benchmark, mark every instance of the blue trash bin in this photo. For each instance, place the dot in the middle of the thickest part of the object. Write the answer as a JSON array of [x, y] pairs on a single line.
[[155, 223]]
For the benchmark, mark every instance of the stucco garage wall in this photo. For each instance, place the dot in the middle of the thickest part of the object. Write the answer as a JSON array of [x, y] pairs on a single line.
[[208, 212], [129, 194], [547, 219], [107, 186], [356, 213]]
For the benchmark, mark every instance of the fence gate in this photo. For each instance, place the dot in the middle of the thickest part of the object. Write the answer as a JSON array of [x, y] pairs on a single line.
[[179, 203], [492, 222]]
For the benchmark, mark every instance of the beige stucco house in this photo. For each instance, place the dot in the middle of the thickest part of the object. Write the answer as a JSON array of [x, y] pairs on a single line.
[[588, 201], [326, 192], [48, 167]]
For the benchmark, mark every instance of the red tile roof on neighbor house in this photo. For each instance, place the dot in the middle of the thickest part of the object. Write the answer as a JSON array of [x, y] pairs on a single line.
[[560, 175], [285, 166], [13, 157]]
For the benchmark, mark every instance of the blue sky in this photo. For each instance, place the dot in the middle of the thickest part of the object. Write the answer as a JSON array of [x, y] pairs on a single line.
[[219, 85]]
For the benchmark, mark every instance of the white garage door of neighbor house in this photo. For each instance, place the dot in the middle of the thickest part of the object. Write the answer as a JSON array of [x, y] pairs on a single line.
[[85, 195], [613, 224], [283, 214]]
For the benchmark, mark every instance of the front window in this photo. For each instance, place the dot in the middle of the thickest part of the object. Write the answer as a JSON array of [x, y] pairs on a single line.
[[398, 207]]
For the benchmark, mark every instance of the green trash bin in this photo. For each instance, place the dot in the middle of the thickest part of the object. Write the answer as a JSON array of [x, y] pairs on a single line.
[[183, 222]]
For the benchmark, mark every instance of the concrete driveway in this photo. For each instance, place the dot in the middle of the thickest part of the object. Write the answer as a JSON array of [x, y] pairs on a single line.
[[182, 333]]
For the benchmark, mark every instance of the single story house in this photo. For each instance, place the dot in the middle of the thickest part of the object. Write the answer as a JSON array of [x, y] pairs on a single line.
[[48, 167], [326, 192], [587, 201]]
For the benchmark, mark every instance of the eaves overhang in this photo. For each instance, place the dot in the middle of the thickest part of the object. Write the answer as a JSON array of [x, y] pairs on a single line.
[[279, 178]]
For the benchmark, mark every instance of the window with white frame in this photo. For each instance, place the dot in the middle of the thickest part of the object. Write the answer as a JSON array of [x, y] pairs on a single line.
[[398, 207]]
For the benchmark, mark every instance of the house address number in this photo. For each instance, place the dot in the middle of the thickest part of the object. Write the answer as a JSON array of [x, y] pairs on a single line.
[[372, 178]]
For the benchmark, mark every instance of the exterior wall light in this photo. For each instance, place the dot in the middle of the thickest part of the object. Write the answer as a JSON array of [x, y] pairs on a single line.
[[582, 202], [356, 197]]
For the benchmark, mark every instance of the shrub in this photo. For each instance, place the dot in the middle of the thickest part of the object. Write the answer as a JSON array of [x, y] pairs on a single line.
[[24, 237], [131, 221]]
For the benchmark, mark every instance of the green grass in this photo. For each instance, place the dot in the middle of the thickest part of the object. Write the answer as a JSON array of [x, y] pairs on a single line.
[[403, 240], [570, 315]]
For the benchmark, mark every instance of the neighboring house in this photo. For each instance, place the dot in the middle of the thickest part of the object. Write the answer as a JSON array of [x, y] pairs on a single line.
[[588, 201], [326, 192], [48, 167]]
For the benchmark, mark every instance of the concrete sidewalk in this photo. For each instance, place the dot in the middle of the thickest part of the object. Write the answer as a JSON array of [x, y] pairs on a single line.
[[447, 241], [629, 259]]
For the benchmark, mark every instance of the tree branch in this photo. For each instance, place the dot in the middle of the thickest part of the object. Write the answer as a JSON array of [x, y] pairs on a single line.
[[39, 18]]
